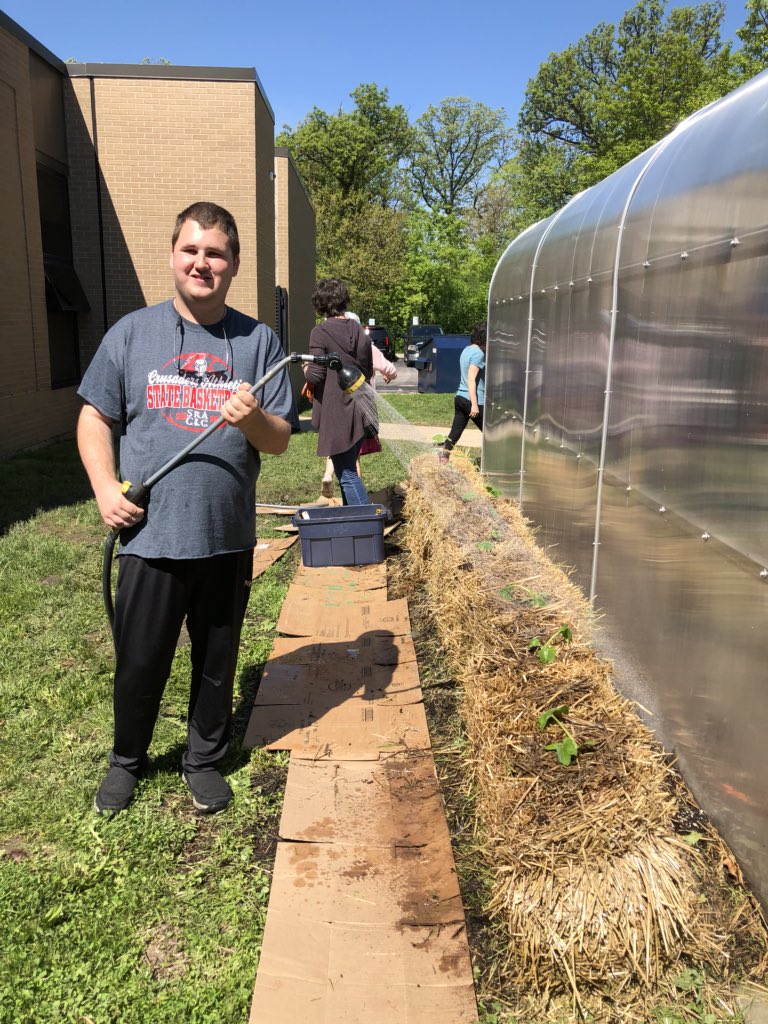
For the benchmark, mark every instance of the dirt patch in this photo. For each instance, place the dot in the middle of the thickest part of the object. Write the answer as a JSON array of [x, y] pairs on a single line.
[[73, 533], [14, 849], [164, 954]]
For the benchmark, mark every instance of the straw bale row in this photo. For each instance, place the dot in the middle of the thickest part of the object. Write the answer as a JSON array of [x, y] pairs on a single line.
[[596, 888]]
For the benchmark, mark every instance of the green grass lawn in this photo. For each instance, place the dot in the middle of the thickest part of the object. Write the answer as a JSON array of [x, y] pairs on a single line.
[[155, 916]]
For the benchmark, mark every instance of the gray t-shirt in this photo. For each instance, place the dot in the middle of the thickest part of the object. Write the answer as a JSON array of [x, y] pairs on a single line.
[[162, 379]]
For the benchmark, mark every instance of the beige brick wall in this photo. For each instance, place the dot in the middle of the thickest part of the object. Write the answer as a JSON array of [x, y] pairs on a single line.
[[30, 413], [139, 149], [162, 145], [295, 244]]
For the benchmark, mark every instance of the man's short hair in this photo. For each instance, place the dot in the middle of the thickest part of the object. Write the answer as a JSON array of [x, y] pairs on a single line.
[[330, 296], [479, 333], [209, 215]]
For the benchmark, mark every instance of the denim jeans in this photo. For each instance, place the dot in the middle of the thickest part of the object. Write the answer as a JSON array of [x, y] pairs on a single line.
[[353, 490]]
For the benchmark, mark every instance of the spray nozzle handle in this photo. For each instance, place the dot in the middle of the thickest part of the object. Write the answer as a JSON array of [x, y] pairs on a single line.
[[137, 493]]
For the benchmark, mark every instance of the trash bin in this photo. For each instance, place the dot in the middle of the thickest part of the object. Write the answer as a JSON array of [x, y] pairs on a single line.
[[438, 363]]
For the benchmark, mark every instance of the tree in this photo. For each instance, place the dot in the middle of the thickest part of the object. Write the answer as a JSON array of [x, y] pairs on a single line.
[[350, 162], [445, 274], [455, 144], [356, 152], [614, 93], [753, 35]]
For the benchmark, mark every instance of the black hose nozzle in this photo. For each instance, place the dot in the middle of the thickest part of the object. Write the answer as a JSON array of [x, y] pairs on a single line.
[[350, 379]]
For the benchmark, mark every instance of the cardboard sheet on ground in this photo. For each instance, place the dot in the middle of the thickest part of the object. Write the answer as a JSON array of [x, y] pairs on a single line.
[[395, 801], [335, 973], [369, 649], [302, 618], [287, 528], [361, 577], [334, 598], [266, 552], [357, 730], [359, 885], [326, 684]]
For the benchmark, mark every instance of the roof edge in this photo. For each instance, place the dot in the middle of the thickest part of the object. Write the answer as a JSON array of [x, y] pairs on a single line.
[[178, 72], [29, 41]]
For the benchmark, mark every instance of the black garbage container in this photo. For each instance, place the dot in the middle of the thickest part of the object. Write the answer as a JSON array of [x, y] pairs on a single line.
[[438, 363]]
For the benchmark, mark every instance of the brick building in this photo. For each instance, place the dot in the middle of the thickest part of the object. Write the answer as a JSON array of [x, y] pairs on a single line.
[[96, 160]]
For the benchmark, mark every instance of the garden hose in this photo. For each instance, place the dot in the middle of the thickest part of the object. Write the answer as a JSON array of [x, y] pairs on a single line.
[[349, 379]]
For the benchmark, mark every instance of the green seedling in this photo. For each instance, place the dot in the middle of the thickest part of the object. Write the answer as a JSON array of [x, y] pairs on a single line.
[[495, 535], [545, 649], [493, 491], [552, 715], [692, 838], [506, 593], [438, 438], [566, 748], [469, 496], [484, 545], [534, 599]]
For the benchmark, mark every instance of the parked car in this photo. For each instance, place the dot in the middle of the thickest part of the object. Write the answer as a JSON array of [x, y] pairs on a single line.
[[380, 338], [418, 336]]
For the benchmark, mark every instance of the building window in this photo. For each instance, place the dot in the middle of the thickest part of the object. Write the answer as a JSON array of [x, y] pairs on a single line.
[[64, 296]]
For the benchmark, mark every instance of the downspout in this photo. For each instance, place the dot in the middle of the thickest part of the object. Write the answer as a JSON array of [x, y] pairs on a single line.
[[99, 209]]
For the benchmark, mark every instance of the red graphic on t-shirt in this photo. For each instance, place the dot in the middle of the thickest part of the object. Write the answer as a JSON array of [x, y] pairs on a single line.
[[189, 391]]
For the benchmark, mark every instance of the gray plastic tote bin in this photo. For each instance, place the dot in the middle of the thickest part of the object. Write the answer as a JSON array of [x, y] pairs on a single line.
[[344, 535]]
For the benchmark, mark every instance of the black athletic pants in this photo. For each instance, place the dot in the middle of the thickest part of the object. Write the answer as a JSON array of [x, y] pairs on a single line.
[[461, 418], [152, 599]]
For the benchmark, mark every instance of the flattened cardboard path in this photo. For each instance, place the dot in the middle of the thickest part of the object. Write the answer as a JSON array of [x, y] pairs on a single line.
[[266, 552], [365, 923]]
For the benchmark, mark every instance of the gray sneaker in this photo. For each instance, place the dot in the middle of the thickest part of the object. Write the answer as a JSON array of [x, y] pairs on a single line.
[[115, 791], [210, 792]]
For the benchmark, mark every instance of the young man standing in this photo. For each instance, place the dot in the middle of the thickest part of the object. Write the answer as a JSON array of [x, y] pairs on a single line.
[[160, 375]]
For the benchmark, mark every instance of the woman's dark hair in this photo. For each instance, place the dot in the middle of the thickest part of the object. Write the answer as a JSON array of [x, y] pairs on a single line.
[[479, 333], [330, 297], [209, 215]]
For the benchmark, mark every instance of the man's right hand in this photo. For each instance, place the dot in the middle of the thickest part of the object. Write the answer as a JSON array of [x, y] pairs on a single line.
[[116, 510]]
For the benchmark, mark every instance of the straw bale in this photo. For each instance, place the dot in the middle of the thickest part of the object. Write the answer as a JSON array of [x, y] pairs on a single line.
[[593, 884]]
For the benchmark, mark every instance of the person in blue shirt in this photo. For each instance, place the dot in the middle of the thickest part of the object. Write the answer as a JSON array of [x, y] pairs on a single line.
[[469, 399]]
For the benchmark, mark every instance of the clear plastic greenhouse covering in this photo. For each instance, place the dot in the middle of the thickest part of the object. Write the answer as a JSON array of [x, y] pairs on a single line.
[[627, 408]]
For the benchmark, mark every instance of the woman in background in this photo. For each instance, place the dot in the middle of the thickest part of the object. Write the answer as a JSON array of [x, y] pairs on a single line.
[[469, 400], [335, 415]]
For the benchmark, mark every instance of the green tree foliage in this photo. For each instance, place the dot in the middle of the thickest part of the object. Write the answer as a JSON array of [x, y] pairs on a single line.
[[455, 143], [353, 154], [753, 35], [414, 217], [616, 91], [446, 273], [350, 162]]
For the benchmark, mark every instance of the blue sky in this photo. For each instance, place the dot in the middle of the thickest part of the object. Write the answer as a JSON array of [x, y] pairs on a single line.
[[310, 54]]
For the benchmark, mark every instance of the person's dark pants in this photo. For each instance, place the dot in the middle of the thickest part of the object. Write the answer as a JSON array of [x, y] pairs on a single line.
[[152, 599], [353, 490], [461, 418]]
